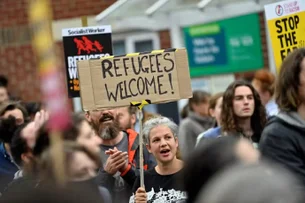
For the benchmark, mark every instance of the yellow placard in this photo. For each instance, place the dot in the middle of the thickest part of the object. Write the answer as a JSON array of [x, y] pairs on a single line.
[[286, 24]]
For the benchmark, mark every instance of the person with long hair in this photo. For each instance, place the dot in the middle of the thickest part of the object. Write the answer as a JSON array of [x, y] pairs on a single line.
[[161, 185], [264, 84], [283, 139], [242, 111], [197, 120]]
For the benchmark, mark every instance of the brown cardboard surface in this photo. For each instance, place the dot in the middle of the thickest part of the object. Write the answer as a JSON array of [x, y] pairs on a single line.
[[164, 77]]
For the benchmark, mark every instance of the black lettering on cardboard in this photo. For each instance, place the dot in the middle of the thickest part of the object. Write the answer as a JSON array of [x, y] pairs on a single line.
[[129, 85], [125, 65], [158, 63], [110, 95], [150, 84], [151, 63], [136, 72], [160, 85], [141, 84], [106, 66], [124, 95], [126, 92], [140, 60], [115, 60], [168, 69]]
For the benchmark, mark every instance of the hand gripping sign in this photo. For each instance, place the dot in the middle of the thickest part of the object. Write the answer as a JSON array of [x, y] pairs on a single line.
[[136, 79]]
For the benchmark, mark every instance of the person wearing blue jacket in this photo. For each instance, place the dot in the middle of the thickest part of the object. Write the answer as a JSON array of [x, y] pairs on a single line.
[[242, 113]]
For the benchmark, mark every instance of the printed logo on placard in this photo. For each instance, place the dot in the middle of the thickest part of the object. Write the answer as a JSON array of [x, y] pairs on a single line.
[[291, 7], [86, 45], [279, 10]]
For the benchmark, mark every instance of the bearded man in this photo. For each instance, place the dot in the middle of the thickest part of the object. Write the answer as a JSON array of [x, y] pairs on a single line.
[[120, 154]]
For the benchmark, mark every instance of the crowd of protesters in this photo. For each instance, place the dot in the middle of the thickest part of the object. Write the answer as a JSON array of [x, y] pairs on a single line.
[[245, 144]]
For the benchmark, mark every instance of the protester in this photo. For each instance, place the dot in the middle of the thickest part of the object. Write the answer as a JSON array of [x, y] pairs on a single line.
[[283, 138], [11, 115], [23, 158], [242, 113], [213, 156], [161, 183], [196, 122], [259, 183], [23, 142], [127, 117], [81, 166], [264, 82], [120, 154], [215, 105], [31, 139], [14, 109]]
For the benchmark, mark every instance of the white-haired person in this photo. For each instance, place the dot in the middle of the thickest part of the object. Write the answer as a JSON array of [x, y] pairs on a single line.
[[161, 185]]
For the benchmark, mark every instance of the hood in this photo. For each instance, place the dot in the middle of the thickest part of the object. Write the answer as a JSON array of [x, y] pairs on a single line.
[[292, 118], [203, 120]]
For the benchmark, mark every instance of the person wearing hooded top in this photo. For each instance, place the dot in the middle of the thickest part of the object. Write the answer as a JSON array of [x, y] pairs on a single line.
[[161, 182], [283, 139], [196, 120]]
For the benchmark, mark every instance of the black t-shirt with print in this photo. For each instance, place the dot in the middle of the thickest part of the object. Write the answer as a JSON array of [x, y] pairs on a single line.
[[161, 188]]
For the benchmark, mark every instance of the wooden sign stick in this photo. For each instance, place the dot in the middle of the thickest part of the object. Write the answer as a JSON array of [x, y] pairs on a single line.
[[140, 116]]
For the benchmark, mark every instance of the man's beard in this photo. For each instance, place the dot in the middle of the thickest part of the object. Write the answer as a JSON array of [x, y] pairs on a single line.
[[107, 131]]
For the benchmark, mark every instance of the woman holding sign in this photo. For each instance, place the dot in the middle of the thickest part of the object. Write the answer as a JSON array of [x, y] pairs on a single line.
[[160, 135]]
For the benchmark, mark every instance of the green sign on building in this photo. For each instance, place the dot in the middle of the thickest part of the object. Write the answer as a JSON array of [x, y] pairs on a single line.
[[226, 46]]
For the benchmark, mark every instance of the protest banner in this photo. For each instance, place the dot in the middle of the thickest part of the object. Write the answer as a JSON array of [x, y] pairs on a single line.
[[84, 43], [116, 81], [286, 24]]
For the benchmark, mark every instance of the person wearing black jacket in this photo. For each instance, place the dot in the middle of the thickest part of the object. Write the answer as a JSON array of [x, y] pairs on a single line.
[[283, 139]]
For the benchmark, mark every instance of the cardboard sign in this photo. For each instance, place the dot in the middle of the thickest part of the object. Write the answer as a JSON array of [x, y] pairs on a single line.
[[160, 76], [84, 43], [286, 24]]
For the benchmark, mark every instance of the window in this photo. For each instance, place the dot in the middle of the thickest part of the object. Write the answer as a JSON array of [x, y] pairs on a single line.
[[119, 48], [142, 46]]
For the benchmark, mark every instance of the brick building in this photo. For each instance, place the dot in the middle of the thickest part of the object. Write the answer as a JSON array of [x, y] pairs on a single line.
[[17, 60], [19, 64]]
